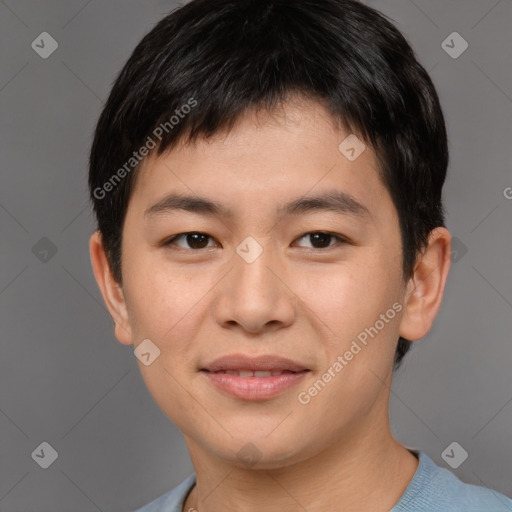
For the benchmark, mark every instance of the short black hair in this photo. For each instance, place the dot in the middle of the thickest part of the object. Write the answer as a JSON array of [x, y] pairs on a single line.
[[210, 61]]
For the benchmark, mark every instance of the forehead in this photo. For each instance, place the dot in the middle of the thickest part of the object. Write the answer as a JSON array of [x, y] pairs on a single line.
[[293, 151]]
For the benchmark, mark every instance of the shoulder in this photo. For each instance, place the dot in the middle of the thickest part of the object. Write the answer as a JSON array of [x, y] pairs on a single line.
[[435, 489], [432, 489], [171, 501]]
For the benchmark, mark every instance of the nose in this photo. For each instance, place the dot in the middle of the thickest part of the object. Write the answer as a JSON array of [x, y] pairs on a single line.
[[255, 296]]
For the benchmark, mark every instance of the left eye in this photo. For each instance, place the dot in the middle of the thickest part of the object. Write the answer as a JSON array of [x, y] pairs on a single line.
[[322, 238], [196, 240]]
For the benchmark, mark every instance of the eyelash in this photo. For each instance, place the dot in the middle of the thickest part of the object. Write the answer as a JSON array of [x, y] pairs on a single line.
[[169, 242]]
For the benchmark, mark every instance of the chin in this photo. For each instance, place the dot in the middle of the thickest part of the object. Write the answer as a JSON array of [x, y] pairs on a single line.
[[263, 453]]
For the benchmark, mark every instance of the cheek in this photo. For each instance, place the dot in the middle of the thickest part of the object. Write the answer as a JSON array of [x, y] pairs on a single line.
[[165, 306], [158, 297], [350, 303], [347, 297]]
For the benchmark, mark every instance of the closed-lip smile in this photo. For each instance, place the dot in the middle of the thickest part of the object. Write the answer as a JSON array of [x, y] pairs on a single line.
[[254, 378]]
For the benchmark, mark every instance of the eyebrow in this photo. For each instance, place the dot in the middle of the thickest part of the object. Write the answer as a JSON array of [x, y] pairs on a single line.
[[334, 201]]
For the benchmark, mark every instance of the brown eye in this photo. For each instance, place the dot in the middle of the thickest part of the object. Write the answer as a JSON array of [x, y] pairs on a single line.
[[195, 240], [321, 239]]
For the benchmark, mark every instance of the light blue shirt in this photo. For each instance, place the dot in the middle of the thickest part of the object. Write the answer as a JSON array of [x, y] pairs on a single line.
[[432, 489]]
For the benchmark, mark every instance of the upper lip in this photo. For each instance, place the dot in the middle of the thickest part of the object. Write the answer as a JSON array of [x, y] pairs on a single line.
[[260, 363]]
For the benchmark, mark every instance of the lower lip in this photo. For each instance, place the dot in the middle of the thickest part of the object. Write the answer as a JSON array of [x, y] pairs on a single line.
[[254, 388]]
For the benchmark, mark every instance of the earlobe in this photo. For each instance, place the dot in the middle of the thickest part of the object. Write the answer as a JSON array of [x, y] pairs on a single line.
[[425, 289], [111, 290]]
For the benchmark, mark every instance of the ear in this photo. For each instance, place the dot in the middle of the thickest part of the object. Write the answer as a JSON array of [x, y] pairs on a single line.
[[425, 289], [110, 289]]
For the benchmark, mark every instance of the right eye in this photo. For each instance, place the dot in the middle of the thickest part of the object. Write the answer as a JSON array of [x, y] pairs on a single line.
[[195, 239]]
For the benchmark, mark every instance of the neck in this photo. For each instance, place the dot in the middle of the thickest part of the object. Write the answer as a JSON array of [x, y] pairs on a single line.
[[366, 470]]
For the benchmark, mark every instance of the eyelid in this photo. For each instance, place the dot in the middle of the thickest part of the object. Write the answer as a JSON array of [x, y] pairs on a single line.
[[169, 241], [341, 240]]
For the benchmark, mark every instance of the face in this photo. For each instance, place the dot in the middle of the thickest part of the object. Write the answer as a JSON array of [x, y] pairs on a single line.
[[319, 286]]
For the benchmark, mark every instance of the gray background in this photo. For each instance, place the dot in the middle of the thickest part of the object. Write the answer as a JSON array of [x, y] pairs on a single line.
[[65, 379]]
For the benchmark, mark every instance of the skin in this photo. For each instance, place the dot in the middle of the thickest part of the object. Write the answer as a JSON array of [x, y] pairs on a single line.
[[294, 300]]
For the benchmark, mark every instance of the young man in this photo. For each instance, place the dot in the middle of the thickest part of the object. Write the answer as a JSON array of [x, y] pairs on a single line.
[[267, 176]]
